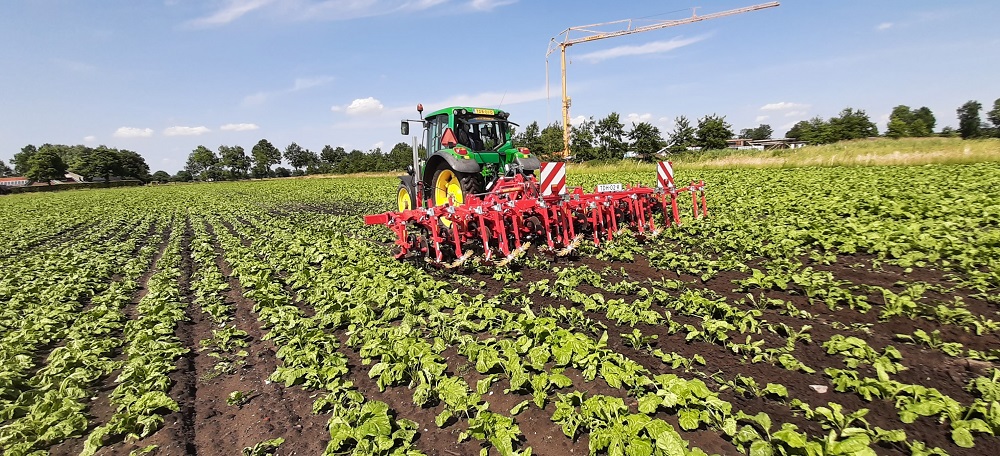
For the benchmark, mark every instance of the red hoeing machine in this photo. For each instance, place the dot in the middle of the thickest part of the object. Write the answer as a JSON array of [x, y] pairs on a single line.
[[518, 210]]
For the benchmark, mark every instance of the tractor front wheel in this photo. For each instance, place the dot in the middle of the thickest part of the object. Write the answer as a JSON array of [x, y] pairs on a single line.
[[454, 187], [404, 199]]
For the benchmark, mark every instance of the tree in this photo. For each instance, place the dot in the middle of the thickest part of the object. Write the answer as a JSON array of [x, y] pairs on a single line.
[[400, 156], [712, 132], [22, 158], [948, 132], [332, 156], [851, 124], [235, 159], [161, 176], [182, 176], [969, 125], [133, 165], [645, 140], [899, 122], [201, 162], [312, 161], [581, 141], [812, 131], [759, 133], [904, 121], [102, 162], [281, 171], [683, 135], [264, 155], [531, 138], [925, 116], [45, 165], [610, 134], [296, 156], [897, 128], [551, 141], [994, 117]]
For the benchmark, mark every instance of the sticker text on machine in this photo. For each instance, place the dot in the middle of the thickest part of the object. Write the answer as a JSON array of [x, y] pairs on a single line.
[[609, 188]]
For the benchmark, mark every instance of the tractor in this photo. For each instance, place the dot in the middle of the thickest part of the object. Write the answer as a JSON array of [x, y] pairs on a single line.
[[466, 150]]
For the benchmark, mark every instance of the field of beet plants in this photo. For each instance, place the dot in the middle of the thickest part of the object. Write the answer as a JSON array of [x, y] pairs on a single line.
[[817, 311]]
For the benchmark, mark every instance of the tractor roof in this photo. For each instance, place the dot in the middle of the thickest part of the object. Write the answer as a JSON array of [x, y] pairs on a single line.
[[469, 109]]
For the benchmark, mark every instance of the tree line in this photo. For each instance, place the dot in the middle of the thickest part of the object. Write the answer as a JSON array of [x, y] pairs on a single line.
[[603, 139], [52, 161], [233, 162]]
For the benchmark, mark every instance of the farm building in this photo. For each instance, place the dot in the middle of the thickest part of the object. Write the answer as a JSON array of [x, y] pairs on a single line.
[[16, 181]]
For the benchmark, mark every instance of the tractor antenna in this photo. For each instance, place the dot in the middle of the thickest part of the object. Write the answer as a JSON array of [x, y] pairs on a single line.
[[501, 99]]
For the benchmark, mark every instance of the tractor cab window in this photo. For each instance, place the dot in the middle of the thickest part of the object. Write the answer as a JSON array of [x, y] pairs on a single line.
[[435, 130], [481, 132]]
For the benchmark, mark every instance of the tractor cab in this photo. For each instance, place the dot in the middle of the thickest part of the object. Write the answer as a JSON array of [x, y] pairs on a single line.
[[466, 149]]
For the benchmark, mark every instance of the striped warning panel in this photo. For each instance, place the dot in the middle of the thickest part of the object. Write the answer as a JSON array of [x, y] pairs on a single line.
[[665, 175], [553, 177]]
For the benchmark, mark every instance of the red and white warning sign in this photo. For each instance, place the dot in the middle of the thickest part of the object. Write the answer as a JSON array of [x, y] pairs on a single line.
[[665, 175], [553, 177]]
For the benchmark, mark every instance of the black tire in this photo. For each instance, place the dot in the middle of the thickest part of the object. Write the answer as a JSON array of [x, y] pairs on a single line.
[[471, 183]]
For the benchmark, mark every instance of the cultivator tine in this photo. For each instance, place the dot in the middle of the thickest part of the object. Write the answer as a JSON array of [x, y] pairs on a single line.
[[570, 247], [517, 253], [459, 262]]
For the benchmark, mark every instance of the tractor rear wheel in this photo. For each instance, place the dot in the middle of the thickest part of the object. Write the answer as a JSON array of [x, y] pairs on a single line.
[[454, 187]]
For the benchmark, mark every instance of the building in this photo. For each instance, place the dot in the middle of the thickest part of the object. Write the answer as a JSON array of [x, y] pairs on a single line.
[[17, 181], [742, 144], [764, 144]]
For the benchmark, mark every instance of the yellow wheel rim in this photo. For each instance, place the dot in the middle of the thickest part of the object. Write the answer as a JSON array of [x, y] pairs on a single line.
[[448, 189], [403, 199]]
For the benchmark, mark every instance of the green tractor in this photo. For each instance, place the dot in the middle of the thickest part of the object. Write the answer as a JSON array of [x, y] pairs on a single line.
[[466, 149]]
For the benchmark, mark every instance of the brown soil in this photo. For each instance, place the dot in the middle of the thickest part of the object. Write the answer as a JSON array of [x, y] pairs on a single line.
[[207, 425]]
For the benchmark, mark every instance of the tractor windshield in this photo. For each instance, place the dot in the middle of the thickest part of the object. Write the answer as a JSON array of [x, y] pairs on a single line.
[[481, 132]]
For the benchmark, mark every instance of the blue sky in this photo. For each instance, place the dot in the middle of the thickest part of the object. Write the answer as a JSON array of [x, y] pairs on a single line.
[[161, 77]]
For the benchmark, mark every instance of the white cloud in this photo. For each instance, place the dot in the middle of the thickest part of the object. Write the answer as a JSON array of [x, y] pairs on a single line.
[[578, 120], [331, 10], [761, 118], [787, 126], [308, 83], [379, 145], [239, 127], [884, 26], [185, 131], [297, 85], [489, 5], [783, 106], [363, 106], [637, 118], [232, 10], [655, 47], [132, 132], [89, 139], [486, 99], [75, 66]]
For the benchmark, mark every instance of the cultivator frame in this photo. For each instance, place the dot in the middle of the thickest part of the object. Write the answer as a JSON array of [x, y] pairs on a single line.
[[516, 211]]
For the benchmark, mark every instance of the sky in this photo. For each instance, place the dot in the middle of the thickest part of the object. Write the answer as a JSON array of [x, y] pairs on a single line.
[[161, 77]]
